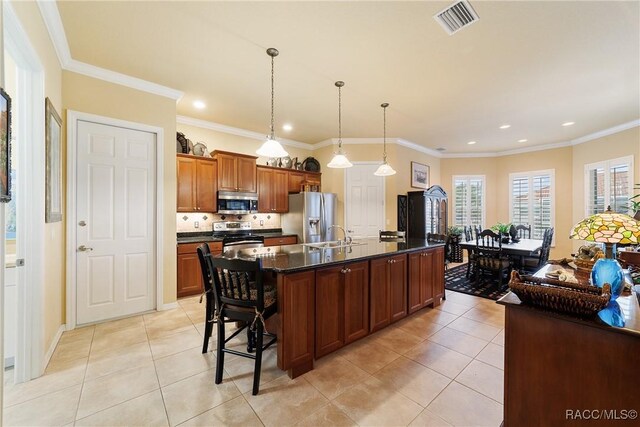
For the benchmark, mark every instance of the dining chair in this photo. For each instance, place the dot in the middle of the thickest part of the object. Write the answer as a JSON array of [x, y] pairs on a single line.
[[489, 256], [468, 236], [241, 296], [524, 231], [533, 264], [210, 297]]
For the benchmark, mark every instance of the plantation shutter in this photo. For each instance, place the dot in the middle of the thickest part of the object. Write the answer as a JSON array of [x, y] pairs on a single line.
[[608, 183], [468, 200]]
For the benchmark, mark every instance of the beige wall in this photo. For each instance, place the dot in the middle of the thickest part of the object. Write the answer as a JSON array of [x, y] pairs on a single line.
[[399, 157], [568, 164], [89, 95], [54, 241], [2, 238]]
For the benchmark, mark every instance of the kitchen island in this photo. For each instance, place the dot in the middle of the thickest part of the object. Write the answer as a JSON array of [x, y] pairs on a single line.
[[329, 298]]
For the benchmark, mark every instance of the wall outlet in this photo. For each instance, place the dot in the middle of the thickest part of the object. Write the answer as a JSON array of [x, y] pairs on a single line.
[[261, 222], [196, 224]]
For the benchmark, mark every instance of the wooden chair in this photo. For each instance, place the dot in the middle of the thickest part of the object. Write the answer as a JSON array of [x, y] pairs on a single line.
[[533, 264], [468, 236], [241, 296], [210, 297], [524, 231], [489, 256]]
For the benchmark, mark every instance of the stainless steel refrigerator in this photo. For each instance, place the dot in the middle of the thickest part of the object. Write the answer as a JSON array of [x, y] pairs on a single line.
[[310, 216]]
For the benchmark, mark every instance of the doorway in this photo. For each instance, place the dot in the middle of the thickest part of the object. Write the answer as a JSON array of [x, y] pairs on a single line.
[[114, 229], [364, 200]]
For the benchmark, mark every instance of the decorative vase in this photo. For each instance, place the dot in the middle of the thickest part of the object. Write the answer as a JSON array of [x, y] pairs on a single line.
[[514, 234], [608, 271]]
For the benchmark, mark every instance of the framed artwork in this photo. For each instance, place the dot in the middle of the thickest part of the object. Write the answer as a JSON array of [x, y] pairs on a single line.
[[53, 177], [5, 147], [419, 175]]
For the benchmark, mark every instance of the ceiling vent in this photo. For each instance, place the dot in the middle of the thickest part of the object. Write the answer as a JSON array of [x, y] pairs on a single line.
[[441, 149], [456, 17]]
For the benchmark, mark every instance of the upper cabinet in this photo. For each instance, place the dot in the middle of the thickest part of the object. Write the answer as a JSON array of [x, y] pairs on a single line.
[[236, 172], [298, 178], [197, 185], [273, 194]]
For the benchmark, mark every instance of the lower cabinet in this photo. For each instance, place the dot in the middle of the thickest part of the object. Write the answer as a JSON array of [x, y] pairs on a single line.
[[342, 306], [189, 272], [280, 241], [388, 291], [426, 278]]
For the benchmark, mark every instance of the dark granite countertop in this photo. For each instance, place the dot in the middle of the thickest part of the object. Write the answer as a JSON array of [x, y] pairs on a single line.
[[291, 258], [205, 236]]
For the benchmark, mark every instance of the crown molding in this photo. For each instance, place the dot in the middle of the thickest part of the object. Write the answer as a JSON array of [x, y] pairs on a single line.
[[205, 124], [53, 22], [364, 141], [571, 143]]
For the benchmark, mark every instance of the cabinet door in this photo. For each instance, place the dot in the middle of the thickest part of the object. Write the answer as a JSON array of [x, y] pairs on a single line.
[[280, 190], [379, 294], [189, 275], [295, 181], [415, 299], [438, 274], [226, 172], [206, 177], [265, 190], [246, 174], [186, 192], [329, 310], [426, 278], [398, 287], [356, 301]]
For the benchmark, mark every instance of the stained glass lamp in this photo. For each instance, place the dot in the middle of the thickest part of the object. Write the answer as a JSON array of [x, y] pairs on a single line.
[[609, 228]]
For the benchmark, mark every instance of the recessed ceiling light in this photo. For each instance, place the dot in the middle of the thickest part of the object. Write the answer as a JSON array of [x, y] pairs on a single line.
[[287, 127], [471, 142], [522, 140], [505, 126], [568, 123], [199, 105]]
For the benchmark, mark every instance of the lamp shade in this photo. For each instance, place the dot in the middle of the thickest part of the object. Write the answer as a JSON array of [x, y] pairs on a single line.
[[607, 227], [271, 148], [339, 161], [384, 170]]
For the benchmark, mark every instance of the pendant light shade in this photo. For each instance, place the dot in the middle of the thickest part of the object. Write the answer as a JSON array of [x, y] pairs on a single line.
[[271, 147], [339, 160], [384, 169]]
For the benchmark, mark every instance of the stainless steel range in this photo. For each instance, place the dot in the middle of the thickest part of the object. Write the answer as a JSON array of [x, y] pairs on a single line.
[[236, 235]]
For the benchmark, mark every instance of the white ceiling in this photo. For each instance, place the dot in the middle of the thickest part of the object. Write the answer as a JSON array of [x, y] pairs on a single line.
[[533, 65]]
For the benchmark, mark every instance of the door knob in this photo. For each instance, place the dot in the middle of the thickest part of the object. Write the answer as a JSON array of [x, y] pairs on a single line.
[[82, 223], [83, 248]]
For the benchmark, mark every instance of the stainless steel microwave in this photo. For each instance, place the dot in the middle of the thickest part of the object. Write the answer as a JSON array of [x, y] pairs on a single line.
[[233, 203]]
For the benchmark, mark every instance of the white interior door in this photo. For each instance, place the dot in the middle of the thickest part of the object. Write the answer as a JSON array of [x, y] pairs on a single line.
[[115, 215], [364, 200]]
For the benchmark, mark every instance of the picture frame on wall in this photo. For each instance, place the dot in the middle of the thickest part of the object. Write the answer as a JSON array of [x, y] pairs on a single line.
[[5, 147], [53, 177], [419, 175]]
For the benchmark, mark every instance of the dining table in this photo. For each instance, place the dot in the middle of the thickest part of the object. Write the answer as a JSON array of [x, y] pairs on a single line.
[[522, 248]]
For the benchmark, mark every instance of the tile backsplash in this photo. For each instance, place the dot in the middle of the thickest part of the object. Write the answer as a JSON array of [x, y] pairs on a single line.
[[186, 221]]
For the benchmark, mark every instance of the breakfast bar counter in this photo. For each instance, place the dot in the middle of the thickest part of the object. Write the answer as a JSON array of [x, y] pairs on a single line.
[[331, 297]]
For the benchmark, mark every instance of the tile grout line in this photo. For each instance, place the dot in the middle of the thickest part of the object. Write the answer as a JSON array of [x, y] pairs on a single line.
[[86, 368], [155, 368]]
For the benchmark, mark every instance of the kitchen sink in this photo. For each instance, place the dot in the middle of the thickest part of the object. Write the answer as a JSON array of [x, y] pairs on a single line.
[[332, 244]]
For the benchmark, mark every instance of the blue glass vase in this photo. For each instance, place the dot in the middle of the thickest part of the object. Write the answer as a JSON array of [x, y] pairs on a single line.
[[608, 271]]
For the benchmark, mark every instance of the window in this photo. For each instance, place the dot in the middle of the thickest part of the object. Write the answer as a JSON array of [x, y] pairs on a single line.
[[531, 197], [468, 200], [608, 183]]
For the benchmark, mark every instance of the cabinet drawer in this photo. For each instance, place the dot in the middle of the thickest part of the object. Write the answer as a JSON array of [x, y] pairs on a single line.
[[192, 248], [280, 241]]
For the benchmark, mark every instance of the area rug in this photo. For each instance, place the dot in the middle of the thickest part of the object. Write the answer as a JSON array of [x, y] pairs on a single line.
[[455, 279]]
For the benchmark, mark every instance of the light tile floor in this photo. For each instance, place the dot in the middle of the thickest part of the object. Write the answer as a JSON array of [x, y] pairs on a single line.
[[437, 367]]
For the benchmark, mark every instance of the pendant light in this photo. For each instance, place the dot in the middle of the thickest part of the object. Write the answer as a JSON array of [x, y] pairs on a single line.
[[384, 169], [339, 160], [271, 147]]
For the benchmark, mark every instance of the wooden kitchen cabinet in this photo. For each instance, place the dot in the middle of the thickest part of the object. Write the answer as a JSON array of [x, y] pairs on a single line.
[[426, 278], [273, 191], [280, 241], [236, 172], [189, 272], [388, 290], [296, 178], [342, 302], [197, 183]]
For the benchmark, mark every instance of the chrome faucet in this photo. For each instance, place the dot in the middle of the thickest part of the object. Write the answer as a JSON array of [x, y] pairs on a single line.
[[347, 239]]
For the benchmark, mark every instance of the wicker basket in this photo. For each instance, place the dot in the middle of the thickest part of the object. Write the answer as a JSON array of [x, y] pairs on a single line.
[[564, 297]]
